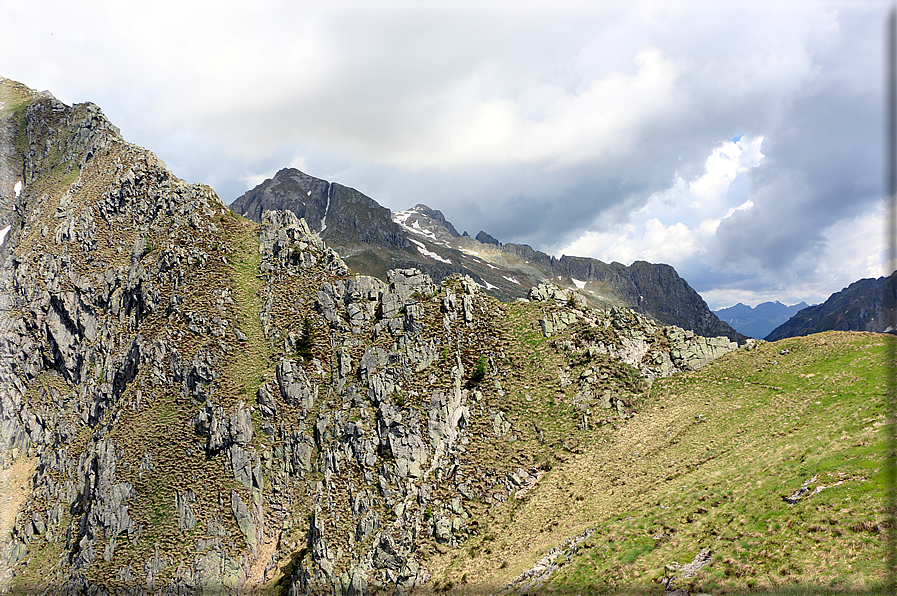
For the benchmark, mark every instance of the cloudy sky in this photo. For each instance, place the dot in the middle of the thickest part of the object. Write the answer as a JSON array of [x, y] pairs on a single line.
[[741, 142]]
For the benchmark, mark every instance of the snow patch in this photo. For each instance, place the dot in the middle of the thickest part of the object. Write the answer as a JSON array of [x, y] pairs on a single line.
[[309, 194], [3, 234], [401, 218], [419, 230], [17, 189], [491, 266], [511, 279], [578, 284], [422, 250]]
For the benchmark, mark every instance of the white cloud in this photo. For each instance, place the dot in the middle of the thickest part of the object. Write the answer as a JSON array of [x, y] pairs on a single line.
[[852, 248], [855, 248], [670, 229], [568, 127], [725, 163], [673, 227], [592, 127]]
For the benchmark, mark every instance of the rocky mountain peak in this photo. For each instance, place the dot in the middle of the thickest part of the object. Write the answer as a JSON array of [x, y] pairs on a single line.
[[424, 221], [289, 189], [487, 238], [342, 215]]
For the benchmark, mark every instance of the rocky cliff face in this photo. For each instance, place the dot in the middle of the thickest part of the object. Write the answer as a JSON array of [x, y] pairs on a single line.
[[862, 306], [214, 406], [342, 215]]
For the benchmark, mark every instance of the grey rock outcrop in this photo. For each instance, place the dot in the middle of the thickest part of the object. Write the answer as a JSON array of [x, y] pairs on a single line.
[[628, 335], [690, 351]]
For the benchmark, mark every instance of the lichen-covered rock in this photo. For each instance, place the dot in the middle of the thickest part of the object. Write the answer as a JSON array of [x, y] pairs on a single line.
[[295, 387], [186, 515], [282, 232], [244, 518], [556, 321]]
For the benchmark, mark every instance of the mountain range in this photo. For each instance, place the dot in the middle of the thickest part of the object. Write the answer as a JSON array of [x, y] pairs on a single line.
[[760, 320], [195, 403], [373, 240]]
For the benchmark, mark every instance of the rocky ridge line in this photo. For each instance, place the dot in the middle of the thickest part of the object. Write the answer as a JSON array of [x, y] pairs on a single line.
[[205, 419]]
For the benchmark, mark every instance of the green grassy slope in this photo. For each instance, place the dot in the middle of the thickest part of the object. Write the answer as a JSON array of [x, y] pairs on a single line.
[[705, 465]]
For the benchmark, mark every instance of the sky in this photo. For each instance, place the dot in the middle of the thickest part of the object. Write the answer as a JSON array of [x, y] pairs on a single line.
[[740, 142]]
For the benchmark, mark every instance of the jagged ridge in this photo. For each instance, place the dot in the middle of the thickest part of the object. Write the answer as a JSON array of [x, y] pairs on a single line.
[[425, 239]]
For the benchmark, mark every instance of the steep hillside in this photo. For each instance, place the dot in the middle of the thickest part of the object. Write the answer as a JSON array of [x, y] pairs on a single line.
[[118, 318], [422, 238], [861, 306], [758, 321]]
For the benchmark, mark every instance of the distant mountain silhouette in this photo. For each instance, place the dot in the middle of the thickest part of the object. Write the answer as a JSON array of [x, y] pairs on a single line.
[[760, 320]]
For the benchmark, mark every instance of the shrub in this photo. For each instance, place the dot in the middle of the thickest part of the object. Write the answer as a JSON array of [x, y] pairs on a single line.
[[306, 340], [479, 371]]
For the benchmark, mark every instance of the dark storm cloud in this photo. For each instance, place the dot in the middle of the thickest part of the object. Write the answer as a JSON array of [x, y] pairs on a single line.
[[539, 122]]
